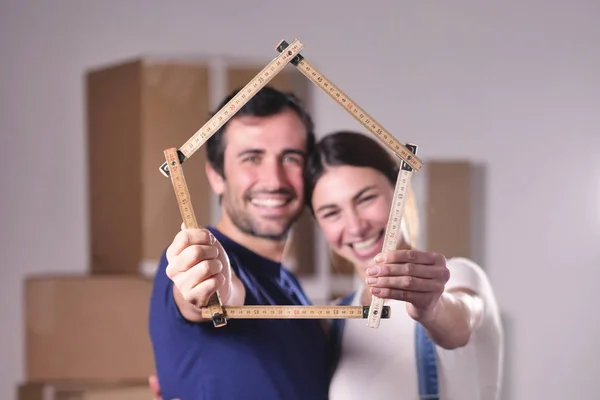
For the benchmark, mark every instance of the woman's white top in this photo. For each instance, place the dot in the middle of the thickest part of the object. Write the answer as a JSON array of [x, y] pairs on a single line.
[[380, 363]]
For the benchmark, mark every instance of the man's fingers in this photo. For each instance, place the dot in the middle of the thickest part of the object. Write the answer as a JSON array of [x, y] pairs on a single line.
[[188, 237], [190, 257], [411, 256], [200, 294], [197, 283], [197, 253], [186, 280], [202, 272]]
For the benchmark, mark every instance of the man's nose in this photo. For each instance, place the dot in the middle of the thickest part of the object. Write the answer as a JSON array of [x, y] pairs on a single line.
[[273, 175]]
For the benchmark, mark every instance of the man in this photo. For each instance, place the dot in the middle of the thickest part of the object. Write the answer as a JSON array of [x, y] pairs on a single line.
[[255, 165]]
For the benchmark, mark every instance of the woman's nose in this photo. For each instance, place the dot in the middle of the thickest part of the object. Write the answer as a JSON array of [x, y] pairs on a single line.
[[356, 225]]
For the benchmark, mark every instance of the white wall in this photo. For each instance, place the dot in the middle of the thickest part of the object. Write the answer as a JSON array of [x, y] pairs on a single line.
[[515, 86]]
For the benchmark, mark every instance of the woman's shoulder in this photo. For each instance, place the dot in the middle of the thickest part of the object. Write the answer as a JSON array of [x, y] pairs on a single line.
[[466, 273]]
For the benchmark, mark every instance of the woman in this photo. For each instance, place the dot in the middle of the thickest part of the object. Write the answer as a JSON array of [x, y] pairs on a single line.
[[447, 305]]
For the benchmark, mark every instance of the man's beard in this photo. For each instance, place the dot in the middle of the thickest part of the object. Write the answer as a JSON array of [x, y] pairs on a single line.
[[245, 223]]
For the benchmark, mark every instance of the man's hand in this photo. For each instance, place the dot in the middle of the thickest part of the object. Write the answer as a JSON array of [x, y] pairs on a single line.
[[155, 388], [416, 277], [198, 267]]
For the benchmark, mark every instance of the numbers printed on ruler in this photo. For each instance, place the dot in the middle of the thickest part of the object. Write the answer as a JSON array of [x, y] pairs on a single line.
[[365, 119], [181, 189], [397, 213], [238, 101], [182, 194], [297, 312], [241, 98], [393, 236], [355, 110]]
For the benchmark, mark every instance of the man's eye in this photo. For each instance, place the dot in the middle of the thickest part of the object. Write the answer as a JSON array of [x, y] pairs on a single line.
[[291, 159], [252, 159]]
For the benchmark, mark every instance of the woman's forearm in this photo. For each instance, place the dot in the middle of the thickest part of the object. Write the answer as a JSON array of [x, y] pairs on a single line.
[[454, 319]]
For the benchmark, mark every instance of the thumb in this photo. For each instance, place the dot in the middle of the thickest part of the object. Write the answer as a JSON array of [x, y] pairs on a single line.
[[154, 387]]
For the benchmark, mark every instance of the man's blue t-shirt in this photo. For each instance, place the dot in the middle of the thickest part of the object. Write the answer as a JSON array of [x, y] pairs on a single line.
[[246, 359]]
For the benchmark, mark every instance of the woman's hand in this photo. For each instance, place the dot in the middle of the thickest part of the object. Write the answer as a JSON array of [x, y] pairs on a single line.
[[415, 277]]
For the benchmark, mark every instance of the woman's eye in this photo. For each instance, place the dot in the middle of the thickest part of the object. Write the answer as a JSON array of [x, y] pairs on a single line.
[[329, 214], [367, 198]]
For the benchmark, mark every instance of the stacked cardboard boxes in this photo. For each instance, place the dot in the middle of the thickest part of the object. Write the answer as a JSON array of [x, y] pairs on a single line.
[[86, 336]]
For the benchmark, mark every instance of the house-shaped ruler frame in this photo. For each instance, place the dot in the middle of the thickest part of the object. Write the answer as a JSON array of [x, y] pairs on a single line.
[[290, 53]]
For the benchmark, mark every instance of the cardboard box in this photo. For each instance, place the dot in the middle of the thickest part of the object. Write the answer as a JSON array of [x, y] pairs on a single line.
[[89, 328], [455, 208], [84, 391], [135, 110]]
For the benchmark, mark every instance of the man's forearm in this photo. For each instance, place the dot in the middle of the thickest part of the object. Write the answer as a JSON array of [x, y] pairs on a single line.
[[453, 320]]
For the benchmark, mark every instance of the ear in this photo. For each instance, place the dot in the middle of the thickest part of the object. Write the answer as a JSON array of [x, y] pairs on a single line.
[[217, 183]]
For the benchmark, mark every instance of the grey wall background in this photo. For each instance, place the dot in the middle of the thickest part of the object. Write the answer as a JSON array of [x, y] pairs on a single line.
[[512, 85]]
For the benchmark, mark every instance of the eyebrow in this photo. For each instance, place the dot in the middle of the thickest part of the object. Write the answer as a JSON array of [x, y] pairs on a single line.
[[354, 198], [247, 152]]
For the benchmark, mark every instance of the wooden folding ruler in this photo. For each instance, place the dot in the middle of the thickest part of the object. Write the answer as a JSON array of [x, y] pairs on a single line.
[[290, 53]]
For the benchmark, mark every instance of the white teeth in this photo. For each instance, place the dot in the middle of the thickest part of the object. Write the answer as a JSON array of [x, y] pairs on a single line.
[[268, 202], [365, 243]]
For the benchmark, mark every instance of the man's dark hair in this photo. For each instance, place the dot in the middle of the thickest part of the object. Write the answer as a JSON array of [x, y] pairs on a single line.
[[347, 148], [267, 102]]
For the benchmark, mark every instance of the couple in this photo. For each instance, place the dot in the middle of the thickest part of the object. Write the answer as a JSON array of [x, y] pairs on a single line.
[[265, 167]]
